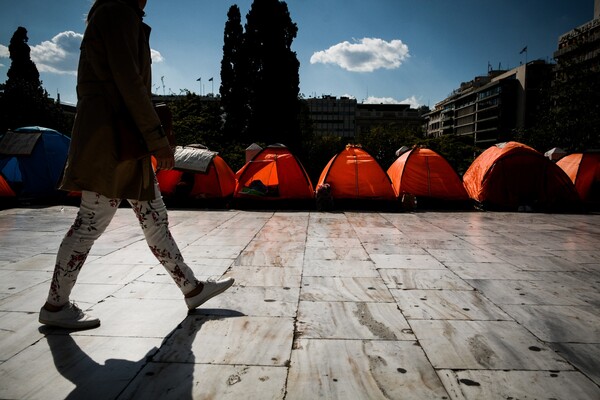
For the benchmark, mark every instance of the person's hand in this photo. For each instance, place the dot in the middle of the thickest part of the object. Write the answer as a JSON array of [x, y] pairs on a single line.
[[164, 158]]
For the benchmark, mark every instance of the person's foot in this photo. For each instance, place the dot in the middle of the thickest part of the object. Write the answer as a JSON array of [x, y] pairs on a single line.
[[69, 316], [210, 289]]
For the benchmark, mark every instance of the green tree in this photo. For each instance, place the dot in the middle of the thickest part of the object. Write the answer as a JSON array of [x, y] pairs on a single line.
[[233, 90], [24, 101], [197, 121], [459, 152], [318, 151], [383, 141], [569, 112], [272, 79]]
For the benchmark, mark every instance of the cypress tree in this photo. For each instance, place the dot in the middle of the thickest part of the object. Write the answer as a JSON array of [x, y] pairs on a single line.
[[272, 80], [24, 101], [234, 99]]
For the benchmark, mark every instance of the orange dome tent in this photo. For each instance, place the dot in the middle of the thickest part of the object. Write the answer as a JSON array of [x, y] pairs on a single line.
[[274, 173], [354, 174], [584, 171], [218, 182], [425, 173], [512, 175]]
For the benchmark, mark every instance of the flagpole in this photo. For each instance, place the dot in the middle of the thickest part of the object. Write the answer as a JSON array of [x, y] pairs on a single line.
[[524, 51]]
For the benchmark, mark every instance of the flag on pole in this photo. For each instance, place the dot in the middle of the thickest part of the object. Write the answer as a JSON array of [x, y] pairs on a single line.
[[524, 50]]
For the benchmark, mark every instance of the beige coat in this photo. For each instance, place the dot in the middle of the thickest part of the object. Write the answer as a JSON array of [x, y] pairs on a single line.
[[114, 73]]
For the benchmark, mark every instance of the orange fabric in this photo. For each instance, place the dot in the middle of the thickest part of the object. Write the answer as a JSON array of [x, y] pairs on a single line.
[[5, 189], [355, 174], [584, 170], [423, 172], [511, 174], [218, 181], [275, 166]]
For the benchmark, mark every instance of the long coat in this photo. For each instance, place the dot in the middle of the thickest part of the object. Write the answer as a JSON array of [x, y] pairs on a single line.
[[114, 76]]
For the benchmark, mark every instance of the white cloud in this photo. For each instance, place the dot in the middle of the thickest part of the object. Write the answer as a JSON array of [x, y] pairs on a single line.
[[364, 55], [58, 55], [413, 101], [4, 51], [156, 56]]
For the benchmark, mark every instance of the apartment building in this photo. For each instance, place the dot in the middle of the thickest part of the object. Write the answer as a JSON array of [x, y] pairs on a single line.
[[332, 116], [490, 108], [372, 115], [581, 45], [346, 117]]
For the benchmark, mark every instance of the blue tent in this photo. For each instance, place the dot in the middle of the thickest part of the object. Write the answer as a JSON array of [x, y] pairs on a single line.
[[32, 160]]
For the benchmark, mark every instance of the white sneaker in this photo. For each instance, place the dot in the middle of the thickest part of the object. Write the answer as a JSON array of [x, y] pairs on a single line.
[[210, 290], [69, 317]]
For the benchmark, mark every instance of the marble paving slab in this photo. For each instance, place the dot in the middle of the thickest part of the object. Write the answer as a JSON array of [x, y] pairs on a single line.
[[369, 289], [73, 366], [39, 262], [541, 263], [503, 385], [266, 276], [116, 274], [283, 246], [460, 255], [584, 356], [33, 298], [323, 307], [231, 340], [388, 370], [269, 258], [136, 253], [341, 268], [481, 270], [526, 292], [423, 261], [257, 301], [12, 282], [573, 324], [18, 330], [336, 253], [349, 320], [149, 290], [152, 318], [447, 305], [578, 256], [484, 345], [178, 381], [213, 251], [432, 279], [393, 248], [321, 241]]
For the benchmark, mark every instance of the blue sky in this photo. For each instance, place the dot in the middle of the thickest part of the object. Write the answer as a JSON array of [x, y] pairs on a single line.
[[410, 51]]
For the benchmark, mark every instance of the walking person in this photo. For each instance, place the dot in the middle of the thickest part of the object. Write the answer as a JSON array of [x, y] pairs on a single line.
[[114, 76]]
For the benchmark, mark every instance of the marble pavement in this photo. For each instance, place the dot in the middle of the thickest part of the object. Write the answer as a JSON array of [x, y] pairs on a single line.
[[346, 305]]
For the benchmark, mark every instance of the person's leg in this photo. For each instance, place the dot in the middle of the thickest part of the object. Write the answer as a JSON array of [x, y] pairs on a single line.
[[94, 215], [153, 218]]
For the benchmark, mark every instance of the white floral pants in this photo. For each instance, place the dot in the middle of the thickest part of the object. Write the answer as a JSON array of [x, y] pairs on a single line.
[[95, 213]]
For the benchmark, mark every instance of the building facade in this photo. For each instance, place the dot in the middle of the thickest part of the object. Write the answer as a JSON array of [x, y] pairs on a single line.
[[490, 108], [581, 45], [345, 117], [369, 116], [332, 116]]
